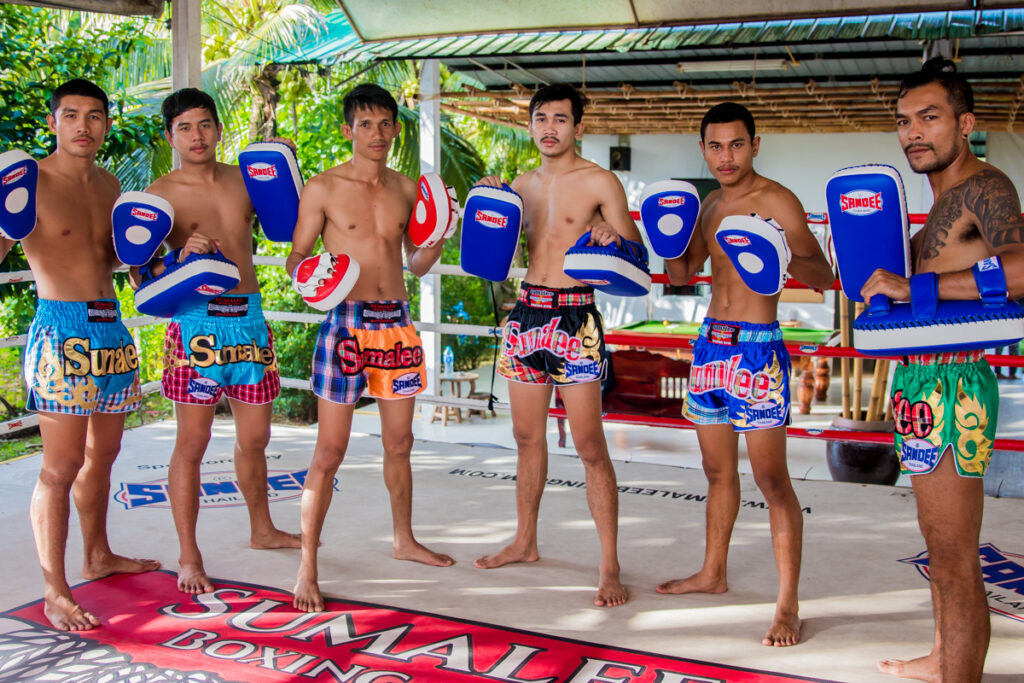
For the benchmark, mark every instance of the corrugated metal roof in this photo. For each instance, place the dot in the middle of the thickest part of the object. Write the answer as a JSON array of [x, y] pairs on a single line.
[[840, 73], [339, 42]]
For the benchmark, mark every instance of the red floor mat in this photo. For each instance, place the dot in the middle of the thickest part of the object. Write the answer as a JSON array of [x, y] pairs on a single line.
[[244, 632]]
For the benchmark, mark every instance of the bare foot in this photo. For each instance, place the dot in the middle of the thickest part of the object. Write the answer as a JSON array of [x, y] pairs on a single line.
[[107, 564], [698, 583], [784, 631], [416, 552], [508, 555], [923, 668], [67, 615], [192, 578], [275, 539], [307, 596], [610, 592]]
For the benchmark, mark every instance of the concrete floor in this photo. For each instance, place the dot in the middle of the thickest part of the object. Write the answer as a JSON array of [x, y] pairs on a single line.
[[859, 600]]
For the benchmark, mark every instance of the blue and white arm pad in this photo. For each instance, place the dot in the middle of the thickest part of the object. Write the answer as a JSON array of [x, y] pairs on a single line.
[[991, 280]]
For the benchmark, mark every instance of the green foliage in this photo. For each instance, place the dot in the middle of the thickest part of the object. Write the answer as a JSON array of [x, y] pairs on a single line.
[[39, 50], [130, 58], [17, 306], [293, 342]]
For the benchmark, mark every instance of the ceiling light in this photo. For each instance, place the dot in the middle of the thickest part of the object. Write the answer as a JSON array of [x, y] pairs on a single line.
[[734, 65]]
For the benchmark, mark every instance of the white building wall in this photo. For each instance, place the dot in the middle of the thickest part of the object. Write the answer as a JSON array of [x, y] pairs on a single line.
[[801, 162]]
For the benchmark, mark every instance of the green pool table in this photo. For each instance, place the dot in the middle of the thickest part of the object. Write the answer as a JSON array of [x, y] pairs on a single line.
[[797, 335]]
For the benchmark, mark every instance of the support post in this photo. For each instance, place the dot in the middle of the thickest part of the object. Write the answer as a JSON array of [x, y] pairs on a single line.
[[430, 161], [186, 47]]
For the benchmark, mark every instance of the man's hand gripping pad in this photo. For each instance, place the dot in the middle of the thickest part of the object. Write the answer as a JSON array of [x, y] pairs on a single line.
[[272, 179], [19, 174], [325, 280], [928, 325], [141, 223], [491, 225], [185, 285], [757, 249], [617, 269], [867, 214], [668, 212], [435, 213]]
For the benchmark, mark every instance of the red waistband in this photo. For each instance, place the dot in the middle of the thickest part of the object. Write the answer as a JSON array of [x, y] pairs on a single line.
[[549, 297], [948, 358]]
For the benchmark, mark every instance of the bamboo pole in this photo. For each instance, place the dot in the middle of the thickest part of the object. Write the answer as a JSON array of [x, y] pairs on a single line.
[[858, 373], [875, 401], [844, 363], [888, 403]]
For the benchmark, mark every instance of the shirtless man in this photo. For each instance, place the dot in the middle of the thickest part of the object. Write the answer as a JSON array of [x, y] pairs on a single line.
[[212, 211], [361, 208], [976, 215], [743, 324], [81, 408], [564, 198]]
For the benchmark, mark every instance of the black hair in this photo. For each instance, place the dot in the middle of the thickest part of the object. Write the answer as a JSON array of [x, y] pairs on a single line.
[[180, 101], [557, 92], [82, 88], [727, 112], [368, 96], [942, 71]]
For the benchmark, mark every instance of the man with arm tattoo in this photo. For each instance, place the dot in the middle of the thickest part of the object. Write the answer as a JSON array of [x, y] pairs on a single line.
[[975, 225]]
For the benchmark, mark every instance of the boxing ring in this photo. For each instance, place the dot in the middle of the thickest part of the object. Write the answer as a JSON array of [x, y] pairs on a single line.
[[864, 591], [663, 342]]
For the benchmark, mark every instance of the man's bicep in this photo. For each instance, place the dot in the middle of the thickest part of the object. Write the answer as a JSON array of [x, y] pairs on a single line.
[[5, 247], [310, 223], [615, 209], [793, 220], [993, 199]]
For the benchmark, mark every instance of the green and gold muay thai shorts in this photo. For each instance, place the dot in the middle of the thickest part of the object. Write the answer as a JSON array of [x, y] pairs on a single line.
[[945, 401]]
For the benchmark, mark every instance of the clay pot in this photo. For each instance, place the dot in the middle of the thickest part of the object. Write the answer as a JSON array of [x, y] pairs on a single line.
[[863, 463]]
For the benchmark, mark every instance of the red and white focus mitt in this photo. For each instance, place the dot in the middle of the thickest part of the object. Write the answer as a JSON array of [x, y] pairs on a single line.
[[325, 280], [435, 213]]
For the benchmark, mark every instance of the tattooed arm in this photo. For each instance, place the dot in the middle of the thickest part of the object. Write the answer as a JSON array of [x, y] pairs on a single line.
[[993, 201], [978, 218]]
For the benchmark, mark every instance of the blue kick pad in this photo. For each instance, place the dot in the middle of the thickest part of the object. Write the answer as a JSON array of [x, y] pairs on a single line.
[[620, 270], [185, 285], [272, 179], [19, 174], [491, 224], [867, 213], [954, 326]]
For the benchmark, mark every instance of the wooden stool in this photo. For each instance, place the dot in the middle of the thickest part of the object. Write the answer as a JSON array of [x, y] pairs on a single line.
[[480, 396], [454, 382]]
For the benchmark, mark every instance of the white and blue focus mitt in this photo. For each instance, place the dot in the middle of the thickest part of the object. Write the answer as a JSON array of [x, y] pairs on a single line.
[[758, 250], [668, 213], [19, 174], [141, 223]]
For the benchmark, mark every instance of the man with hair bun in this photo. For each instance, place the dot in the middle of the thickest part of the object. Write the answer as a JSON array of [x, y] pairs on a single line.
[[975, 224]]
